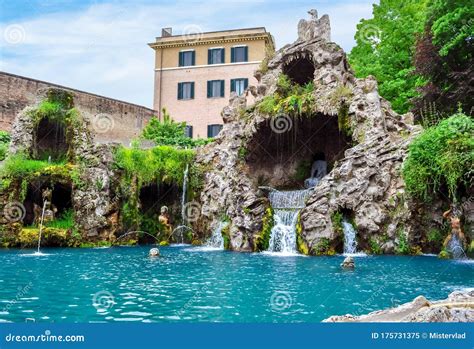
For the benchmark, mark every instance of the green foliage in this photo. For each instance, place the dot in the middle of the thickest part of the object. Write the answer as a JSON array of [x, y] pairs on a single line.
[[263, 238], [65, 221], [289, 98], [162, 163], [441, 155], [302, 170], [323, 247], [336, 219], [385, 47], [452, 25], [374, 246], [169, 132], [4, 144], [403, 247]]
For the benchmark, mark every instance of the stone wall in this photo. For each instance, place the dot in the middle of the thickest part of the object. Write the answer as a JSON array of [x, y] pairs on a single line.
[[110, 120]]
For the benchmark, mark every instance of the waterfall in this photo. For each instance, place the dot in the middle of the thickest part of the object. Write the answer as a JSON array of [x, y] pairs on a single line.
[[41, 227], [455, 247], [216, 240], [183, 203], [286, 206], [350, 241]]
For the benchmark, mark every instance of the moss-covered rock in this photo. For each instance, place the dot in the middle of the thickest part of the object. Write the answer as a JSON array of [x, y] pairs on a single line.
[[262, 239]]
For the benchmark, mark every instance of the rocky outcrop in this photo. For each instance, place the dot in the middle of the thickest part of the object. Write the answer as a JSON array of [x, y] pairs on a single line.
[[365, 181], [94, 201], [458, 307]]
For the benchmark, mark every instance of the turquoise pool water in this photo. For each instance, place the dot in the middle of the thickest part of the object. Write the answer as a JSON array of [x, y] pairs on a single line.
[[189, 284]]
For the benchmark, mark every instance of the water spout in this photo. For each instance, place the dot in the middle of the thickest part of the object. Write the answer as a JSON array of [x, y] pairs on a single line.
[[41, 226], [183, 203]]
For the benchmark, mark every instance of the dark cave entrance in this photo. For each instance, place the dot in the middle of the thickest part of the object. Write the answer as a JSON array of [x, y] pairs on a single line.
[[300, 70], [61, 199], [284, 160], [50, 140], [152, 197]]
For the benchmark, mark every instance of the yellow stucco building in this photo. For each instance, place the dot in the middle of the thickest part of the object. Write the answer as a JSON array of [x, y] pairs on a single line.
[[195, 73]]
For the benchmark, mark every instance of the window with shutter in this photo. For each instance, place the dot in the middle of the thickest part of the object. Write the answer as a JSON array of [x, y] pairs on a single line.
[[185, 90], [213, 130], [215, 88], [215, 56], [239, 54], [239, 85], [187, 58]]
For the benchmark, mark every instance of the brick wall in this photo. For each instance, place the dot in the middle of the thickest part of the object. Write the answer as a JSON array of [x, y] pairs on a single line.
[[111, 120]]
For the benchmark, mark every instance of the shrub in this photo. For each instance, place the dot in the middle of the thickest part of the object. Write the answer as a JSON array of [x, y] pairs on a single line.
[[169, 132], [289, 98], [441, 155]]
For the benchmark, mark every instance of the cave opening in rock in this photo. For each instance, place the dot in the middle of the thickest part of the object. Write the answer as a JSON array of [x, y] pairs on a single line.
[[152, 198], [50, 140], [300, 70], [283, 160], [61, 200]]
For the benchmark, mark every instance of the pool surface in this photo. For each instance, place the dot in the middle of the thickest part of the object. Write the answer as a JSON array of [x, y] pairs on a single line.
[[192, 284]]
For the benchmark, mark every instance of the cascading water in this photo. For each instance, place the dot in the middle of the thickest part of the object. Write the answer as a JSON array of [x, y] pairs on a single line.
[[350, 241], [455, 247], [216, 240], [41, 227], [286, 206], [183, 205]]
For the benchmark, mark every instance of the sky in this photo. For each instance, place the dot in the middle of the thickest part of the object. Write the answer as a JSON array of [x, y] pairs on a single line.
[[101, 46]]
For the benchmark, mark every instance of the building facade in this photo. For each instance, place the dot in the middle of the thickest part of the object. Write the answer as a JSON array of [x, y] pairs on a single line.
[[195, 73]]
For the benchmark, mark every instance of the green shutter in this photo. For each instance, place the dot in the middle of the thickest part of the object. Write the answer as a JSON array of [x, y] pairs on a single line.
[[223, 55], [180, 90], [181, 59], [246, 83], [232, 54], [246, 54], [209, 131], [193, 60], [192, 90], [209, 95], [209, 56], [222, 88], [232, 85]]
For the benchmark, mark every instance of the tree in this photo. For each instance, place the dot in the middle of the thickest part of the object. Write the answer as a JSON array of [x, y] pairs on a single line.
[[169, 132], [385, 47], [444, 58]]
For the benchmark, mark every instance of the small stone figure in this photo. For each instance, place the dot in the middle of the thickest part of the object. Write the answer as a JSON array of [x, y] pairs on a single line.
[[314, 27], [454, 215], [154, 252], [348, 263], [164, 219], [49, 209]]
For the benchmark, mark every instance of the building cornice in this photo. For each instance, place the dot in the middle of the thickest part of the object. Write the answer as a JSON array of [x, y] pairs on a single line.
[[209, 66], [187, 42]]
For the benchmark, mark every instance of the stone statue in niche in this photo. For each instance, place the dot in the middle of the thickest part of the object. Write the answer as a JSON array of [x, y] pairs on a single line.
[[164, 219], [49, 209], [314, 27]]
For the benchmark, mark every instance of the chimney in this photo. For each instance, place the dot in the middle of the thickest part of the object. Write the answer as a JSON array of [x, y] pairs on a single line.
[[165, 32]]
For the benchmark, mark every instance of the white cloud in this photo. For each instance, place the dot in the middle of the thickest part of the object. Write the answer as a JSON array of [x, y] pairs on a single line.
[[103, 50]]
